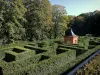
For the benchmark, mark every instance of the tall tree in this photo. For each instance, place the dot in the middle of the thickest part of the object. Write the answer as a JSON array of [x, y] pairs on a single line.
[[70, 20], [39, 17], [1, 20], [12, 26], [59, 14], [87, 23], [1, 15]]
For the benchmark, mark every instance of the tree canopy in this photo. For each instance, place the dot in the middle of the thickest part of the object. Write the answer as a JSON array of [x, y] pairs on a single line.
[[39, 19], [12, 19], [32, 20], [87, 23]]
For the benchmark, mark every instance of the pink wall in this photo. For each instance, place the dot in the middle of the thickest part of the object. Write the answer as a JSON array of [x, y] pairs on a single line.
[[71, 39]]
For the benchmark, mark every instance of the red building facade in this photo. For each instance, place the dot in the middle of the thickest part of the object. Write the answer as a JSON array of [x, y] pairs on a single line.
[[70, 37]]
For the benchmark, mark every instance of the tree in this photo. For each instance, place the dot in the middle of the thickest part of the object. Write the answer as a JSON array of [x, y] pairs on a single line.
[[39, 19], [70, 21], [87, 23], [13, 19], [59, 17], [1, 15]]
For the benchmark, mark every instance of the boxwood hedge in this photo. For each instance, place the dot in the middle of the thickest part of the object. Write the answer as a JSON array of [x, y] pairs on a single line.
[[44, 63], [19, 53], [30, 59]]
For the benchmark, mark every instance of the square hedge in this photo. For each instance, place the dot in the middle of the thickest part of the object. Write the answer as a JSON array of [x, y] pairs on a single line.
[[36, 49], [54, 63], [19, 53]]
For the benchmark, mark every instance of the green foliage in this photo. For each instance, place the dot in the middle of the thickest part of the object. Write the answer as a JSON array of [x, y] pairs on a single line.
[[87, 23], [31, 20], [27, 58], [84, 41], [13, 16], [19, 53], [39, 19], [59, 20], [31, 59]]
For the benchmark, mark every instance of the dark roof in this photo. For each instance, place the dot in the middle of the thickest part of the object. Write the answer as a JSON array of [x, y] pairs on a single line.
[[70, 32]]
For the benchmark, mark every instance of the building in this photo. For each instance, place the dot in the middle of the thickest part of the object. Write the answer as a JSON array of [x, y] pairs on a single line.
[[70, 37]]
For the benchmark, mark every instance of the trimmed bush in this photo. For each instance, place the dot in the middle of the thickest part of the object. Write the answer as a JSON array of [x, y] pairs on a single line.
[[2, 53], [91, 46], [60, 50], [19, 70], [17, 43], [45, 65], [32, 44], [79, 59], [33, 60], [18, 56], [50, 65], [92, 42], [79, 51], [37, 50]]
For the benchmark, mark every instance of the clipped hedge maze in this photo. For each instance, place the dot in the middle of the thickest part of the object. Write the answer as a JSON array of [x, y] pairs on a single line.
[[33, 60], [79, 51], [18, 50], [60, 50], [37, 50]]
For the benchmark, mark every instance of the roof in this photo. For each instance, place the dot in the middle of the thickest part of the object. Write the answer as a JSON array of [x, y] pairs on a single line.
[[70, 32]]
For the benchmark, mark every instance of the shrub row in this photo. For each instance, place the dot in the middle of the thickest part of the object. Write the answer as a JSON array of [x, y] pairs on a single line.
[[89, 52], [79, 51], [78, 60], [17, 43], [44, 64], [15, 53], [32, 60], [2, 53], [19, 64], [36, 49], [54, 63], [15, 68], [48, 66]]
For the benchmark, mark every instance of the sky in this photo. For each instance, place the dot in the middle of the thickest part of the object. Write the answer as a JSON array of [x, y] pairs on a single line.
[[76, 7]]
